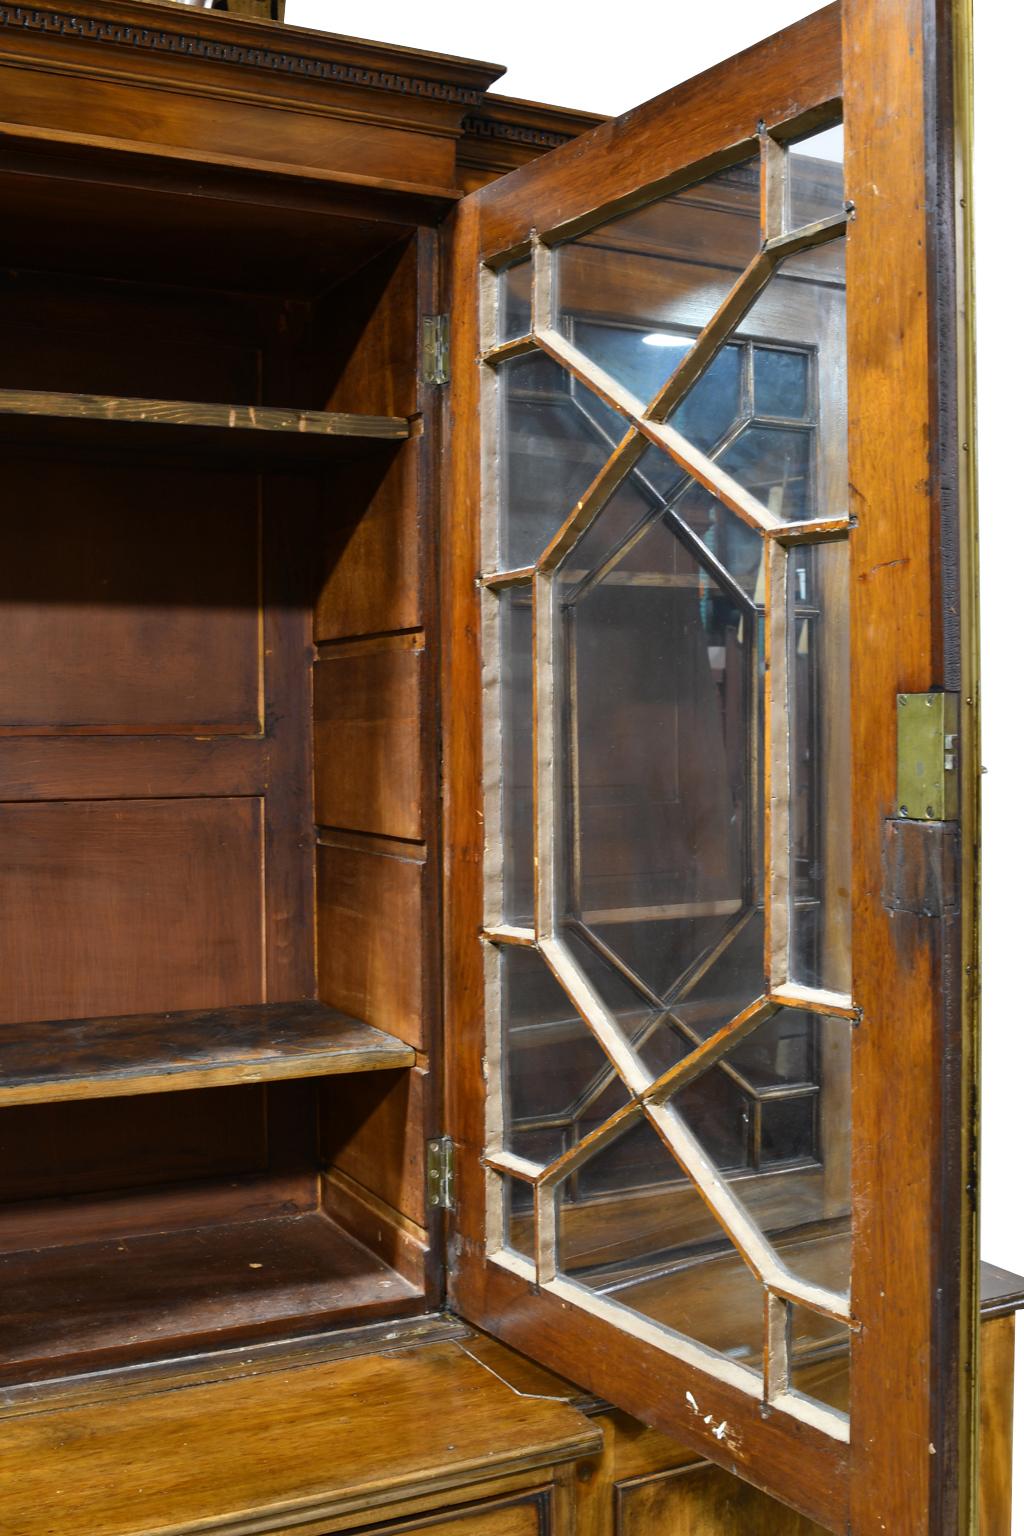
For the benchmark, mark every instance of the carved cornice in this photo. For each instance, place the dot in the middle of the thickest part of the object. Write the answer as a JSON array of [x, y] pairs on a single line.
[[514, 133], [126, 34]]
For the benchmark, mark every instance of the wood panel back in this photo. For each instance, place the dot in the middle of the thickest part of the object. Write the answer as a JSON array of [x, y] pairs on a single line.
[[86, 335], [138, 905], [129, 619]]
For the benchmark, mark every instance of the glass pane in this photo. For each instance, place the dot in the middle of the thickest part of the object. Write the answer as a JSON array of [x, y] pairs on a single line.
[[633, 293], [819, 724], [514, 285], [795, 1073], [628, 1230], [555, 437], [790, 450], [656, 650], [520, 1225], [515, 609], [816, 177], [819, 1358], [781, 383], [553, 1066]]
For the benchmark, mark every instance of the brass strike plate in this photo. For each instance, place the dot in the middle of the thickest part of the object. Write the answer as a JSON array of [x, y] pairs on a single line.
[[927, 743]]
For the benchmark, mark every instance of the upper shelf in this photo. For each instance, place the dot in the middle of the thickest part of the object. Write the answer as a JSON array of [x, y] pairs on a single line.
[[42, 417], [165, 1052]]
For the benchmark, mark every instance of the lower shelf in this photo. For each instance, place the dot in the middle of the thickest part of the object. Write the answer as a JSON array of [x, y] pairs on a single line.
[[161, 1052], [77, 1307]]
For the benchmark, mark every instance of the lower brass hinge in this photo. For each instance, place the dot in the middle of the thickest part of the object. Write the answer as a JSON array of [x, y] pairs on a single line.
[[441, 1174], [437, 368]]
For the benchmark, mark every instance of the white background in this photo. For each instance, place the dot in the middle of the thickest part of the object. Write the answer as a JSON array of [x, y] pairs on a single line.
[[579, 53]]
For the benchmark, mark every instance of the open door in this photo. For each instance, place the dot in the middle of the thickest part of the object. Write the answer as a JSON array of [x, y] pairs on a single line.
[[710, 939]]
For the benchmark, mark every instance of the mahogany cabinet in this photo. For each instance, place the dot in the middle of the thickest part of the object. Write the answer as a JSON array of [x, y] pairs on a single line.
[[488, 830]]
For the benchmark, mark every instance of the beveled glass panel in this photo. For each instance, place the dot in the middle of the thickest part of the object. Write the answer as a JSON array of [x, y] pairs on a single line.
[[555, 436], [632, 292], [657, 655], [629, 1228], [514, 286], [816, 177], [819, 726], [515, 610]]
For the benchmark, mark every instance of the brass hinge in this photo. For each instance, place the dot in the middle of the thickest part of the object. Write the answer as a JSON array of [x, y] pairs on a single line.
[[437, 368], [441, 1174], [927, 752]]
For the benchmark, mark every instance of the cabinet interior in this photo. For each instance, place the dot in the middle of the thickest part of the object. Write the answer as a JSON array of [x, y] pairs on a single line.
[[216, 995]]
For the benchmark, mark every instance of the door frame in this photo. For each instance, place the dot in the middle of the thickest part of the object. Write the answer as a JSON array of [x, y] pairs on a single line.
[[898, 68]]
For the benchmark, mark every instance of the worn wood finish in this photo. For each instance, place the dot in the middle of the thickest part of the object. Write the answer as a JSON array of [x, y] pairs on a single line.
[[188, 413], [799, 70], [166, 1052], [1001, 1292], [912, 1365], [144, 1294], [358, 1440], [692, 124]]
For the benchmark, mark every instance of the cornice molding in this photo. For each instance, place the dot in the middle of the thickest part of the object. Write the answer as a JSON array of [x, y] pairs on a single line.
[[126, 34], [514, 133]]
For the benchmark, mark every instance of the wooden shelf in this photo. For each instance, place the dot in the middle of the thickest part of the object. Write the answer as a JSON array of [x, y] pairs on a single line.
[[166, 1052], [86, 1304], [42, 418]]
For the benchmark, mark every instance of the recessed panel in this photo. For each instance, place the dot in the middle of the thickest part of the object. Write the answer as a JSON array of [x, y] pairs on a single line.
[[129, 603]]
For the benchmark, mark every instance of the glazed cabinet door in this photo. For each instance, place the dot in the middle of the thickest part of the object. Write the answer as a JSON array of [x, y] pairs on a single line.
[[709, 938]]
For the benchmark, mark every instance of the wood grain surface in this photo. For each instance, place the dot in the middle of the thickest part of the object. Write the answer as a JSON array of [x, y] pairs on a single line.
[[166, 1052]]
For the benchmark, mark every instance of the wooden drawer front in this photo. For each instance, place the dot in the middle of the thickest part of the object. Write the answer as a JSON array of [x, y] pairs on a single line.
[[529, 1515], [702, 1500]]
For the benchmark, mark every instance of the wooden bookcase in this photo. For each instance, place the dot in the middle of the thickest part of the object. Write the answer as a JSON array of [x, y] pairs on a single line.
[[242, 802], [219, 808]]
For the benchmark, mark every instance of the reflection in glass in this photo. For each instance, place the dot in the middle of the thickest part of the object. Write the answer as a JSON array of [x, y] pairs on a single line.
[[816, 177], [514, 285], [515, 620], [791, 452], [555, 436], [664, 268]]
